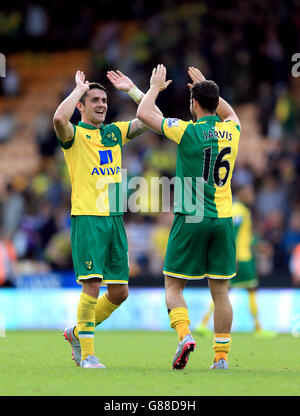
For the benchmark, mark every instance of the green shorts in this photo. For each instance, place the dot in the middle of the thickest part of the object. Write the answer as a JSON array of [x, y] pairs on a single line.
[[99, 248], [201, 249], [246, 277]]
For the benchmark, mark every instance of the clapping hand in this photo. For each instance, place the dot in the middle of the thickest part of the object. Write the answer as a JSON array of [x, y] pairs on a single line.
[[158, 78], [196, 76], [120, 81], [80, 80]]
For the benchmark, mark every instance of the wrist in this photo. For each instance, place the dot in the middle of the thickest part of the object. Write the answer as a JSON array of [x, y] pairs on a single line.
[[81, 89], [155, 88], [136, 94]]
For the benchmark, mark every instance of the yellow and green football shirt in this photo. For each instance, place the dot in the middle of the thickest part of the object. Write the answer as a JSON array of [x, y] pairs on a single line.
[[93, 158], [242, 225], [206, 154]]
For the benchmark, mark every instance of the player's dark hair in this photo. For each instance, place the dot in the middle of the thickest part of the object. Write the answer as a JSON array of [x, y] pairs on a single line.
[[206, 93], [93, 86]]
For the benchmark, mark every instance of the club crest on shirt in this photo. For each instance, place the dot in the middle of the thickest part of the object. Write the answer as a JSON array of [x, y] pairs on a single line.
[[172, 122], [109, 139], [111, 136]]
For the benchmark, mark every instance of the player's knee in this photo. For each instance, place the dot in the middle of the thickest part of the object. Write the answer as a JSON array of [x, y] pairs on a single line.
[[123, 296], [218, 289], [119, 294], [91, 287]]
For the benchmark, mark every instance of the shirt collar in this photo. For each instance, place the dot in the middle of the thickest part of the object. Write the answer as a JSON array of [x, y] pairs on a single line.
[[89, 126], [208, 118]]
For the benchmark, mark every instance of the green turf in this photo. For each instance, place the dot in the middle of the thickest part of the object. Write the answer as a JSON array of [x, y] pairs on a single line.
[[35, 363]]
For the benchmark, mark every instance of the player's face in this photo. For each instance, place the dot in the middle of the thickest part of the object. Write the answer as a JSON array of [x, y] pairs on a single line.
[[95, 106]]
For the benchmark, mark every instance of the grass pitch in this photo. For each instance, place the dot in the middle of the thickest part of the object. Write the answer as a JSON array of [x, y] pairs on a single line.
[[39, 363]]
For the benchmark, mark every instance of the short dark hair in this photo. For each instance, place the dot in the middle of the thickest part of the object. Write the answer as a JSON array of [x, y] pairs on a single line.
[[93, 86], [206, 93]]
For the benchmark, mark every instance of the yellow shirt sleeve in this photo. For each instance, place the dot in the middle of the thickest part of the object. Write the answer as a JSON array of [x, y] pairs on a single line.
[[67, 145], [234, 131], [124, 127], [234, 126], [174, 128]]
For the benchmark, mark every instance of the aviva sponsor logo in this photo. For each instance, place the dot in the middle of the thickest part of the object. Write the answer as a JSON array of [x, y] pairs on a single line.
[[105, 159], [106, 171]]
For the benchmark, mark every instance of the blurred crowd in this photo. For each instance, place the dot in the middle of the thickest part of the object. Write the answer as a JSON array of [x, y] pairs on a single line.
[[246, 47]]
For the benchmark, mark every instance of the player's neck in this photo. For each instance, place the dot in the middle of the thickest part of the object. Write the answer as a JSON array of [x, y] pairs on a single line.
[[91, 123], [200, 114]]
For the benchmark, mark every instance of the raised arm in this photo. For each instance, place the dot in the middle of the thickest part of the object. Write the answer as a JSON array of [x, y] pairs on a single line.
[[224, 110], [61, 120], [146, 110], [123, 83]]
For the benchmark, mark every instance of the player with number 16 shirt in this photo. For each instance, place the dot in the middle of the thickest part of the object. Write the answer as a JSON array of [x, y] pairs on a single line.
[[201, 241]]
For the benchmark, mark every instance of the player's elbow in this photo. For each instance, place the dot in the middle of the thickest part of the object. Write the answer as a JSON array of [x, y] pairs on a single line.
[[58, 120]]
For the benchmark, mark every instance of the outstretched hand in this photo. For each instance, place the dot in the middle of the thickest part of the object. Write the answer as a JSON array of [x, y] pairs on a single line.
[[120, 81], [196, 76], [158, 78], [80, 80]]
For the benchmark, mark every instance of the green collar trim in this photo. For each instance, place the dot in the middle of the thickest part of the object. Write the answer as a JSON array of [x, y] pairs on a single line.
[[89, 126], [208, 118]]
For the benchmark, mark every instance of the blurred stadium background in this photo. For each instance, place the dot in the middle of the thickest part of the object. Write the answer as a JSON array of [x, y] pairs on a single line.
[[245, 46]]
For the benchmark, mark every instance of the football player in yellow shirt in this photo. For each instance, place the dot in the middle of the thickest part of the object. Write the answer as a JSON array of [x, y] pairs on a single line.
[[92, 151]]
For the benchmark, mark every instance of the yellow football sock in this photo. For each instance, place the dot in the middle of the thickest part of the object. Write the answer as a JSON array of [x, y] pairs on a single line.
[[221, 346], [104, 309], [179, 320], [208, 314], [86, 324], [254, 309]]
